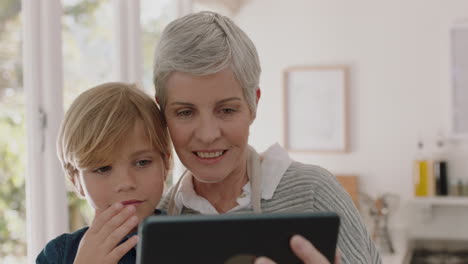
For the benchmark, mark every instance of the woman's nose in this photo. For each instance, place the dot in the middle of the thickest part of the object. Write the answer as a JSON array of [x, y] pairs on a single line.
[[208, 130]]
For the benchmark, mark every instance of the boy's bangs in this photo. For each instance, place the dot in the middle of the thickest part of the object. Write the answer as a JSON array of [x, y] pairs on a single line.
[[111, 138], [103, 156]]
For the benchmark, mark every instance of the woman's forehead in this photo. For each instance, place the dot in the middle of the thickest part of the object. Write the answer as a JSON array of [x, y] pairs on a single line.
[[184, 87]]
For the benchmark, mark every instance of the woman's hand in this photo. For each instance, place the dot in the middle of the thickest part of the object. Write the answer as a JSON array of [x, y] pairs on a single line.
[[305, 251], [100, 243]]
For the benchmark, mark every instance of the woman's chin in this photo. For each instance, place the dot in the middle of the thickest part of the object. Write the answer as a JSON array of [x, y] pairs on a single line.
[[208, 179]]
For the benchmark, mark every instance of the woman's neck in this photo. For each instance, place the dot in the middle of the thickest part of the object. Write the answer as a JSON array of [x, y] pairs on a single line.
[[223, 195]]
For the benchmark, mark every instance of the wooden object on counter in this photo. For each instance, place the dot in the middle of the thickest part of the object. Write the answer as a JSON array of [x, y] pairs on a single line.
[[350, 184]]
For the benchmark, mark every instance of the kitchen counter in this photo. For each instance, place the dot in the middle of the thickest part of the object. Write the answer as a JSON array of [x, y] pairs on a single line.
[[400, 242]]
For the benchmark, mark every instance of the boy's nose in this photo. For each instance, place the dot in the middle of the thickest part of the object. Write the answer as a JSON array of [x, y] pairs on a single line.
[[125, 181]]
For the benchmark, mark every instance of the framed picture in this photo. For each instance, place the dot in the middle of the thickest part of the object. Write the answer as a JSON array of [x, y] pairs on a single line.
[[316, 108], [459, 91]]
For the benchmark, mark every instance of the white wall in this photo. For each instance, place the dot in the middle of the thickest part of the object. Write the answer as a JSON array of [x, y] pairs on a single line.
[[399, 55]]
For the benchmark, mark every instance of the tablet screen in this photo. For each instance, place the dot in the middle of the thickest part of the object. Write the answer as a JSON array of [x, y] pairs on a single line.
[[233, 238]]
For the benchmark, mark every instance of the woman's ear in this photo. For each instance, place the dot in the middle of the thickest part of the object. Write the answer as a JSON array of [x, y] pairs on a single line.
[[169, 164], [157, 100], [258, 94]]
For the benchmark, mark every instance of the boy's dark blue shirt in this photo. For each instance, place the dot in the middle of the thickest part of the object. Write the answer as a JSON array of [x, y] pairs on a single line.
[[63, 249]]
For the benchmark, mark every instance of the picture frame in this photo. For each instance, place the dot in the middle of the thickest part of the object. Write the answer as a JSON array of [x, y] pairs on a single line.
[[458, 93], [316, 116]]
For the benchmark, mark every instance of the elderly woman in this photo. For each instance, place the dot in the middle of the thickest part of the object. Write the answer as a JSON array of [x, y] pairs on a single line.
[[206, 75]]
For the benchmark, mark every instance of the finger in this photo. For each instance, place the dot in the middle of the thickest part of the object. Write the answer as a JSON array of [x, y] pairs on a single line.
[[305, 251], [98, 211], [117, 253], [264, 260], [338, 256], [117, 220], [119, 233], [102, 216]]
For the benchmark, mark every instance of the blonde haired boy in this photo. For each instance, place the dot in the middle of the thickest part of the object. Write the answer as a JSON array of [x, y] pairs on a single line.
[[115, 149]]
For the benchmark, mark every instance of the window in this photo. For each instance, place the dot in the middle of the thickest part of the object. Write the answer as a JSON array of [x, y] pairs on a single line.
[[12, 137], [155, 15], [97, 41], [87, 37], [87, 41]]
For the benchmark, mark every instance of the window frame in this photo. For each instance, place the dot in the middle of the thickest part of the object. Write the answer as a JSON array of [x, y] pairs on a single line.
[[43, 79], [46, 198]]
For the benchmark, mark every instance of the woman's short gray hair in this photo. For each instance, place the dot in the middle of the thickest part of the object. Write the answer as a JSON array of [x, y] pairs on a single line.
[[206, 43]]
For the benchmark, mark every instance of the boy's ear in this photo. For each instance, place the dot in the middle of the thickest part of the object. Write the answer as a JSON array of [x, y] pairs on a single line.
[[157, 100], [77, 184]]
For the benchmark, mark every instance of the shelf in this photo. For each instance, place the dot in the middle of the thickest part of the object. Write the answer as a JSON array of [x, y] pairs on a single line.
[[441, 201], [428, 204]]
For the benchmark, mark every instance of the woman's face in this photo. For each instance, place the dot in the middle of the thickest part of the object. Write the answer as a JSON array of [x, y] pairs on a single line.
[[209, 119]]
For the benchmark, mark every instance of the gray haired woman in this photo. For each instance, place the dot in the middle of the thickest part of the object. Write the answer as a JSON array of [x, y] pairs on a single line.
[[206, 76]]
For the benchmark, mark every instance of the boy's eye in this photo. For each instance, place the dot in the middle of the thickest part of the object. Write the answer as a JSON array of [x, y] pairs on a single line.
[[143, 163], [102, 169]]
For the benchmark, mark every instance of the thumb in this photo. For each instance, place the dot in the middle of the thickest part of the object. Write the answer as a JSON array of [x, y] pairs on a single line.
[[305, 251], [338, 256], [97, 212]]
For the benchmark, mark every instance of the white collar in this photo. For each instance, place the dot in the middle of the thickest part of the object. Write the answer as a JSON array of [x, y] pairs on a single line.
[[275, 162]]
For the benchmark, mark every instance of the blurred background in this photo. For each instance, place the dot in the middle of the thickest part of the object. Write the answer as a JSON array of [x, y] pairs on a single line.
[[407, 92]]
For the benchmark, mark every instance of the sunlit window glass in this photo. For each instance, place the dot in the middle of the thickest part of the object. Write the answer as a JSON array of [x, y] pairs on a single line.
[[12, 137], [155, 15], [88, 45], [88, 60]]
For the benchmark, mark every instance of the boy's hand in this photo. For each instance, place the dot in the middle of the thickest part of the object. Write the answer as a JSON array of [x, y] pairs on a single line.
[[100, 242]]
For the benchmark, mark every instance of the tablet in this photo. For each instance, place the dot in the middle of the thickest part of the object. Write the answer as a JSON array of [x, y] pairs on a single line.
[[233, 238]]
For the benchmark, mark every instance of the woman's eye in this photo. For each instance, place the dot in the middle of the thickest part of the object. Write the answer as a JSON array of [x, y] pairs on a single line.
[[184, 113], [143, 163], [228, 111], [102, 169]]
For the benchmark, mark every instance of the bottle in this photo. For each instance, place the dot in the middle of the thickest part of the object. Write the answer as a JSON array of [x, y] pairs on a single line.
[[465, 188], [453, 189], [422, 173], [440, 169], [460, 190]]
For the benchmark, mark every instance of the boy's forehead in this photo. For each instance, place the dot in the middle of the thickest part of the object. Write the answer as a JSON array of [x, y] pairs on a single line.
[[128, 147], [120, 154], [132, 142]]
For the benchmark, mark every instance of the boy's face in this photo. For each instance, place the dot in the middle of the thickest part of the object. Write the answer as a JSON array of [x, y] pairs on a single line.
[[136, 176]]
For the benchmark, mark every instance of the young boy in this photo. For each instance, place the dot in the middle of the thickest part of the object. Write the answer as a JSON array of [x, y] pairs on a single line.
[[115, 149]]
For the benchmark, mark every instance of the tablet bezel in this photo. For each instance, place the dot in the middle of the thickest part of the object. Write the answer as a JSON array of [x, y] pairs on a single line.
[[251, 230]]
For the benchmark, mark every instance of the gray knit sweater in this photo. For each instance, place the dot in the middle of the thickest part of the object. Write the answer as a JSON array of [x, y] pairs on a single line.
[[309, 188]]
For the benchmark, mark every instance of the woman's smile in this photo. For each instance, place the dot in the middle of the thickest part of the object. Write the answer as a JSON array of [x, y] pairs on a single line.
[[210, 157]]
